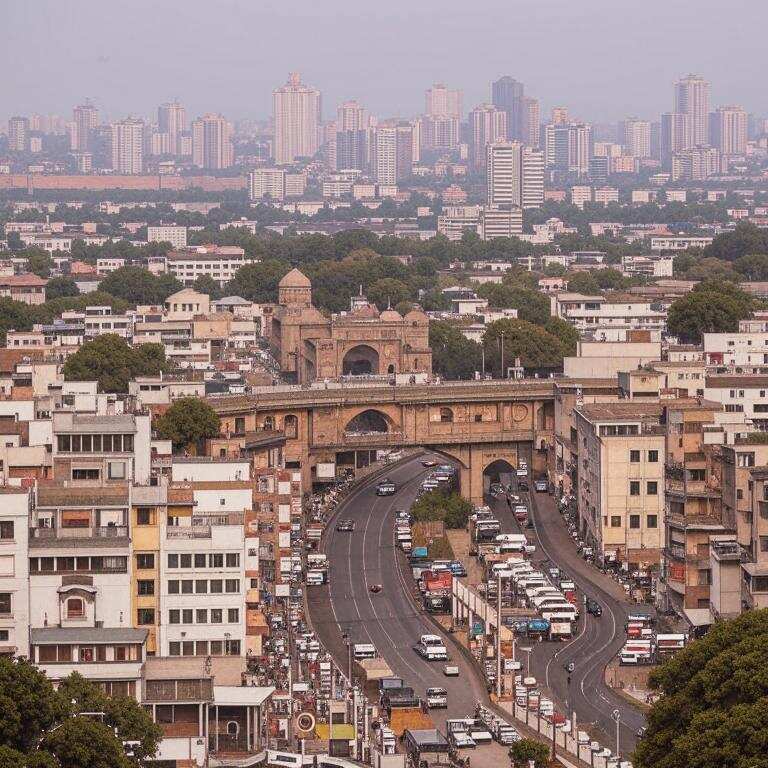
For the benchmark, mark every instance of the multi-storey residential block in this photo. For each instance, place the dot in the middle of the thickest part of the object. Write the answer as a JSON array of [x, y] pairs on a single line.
[[176, 236], [14, 570]]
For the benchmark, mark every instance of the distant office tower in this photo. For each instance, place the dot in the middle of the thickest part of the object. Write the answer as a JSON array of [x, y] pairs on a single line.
[[559, 116], [212, 142], [530, 122], [351, 150], [393, 152], [656, 139], [675, 134], [636, 136], [439, 132], [696, 164], [443, 102], [267, 183], [568, 147], [296, 113], [487, 125], [599, 168], [692, 99], [532, 178], [128, 146], [503, 173], [350, 116], [18, 134], [500, 221], [172, 119], [728, 130], [507, 94], [85, 119]]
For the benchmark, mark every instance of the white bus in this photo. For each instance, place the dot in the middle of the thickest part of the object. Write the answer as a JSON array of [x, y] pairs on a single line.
[[364, 651]]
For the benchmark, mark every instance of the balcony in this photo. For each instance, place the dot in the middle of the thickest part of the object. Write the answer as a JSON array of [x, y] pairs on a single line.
[[92, 536], [188, 532]]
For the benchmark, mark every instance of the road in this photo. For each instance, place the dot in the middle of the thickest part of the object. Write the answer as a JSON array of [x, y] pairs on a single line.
[[597, 639], [388, 619]]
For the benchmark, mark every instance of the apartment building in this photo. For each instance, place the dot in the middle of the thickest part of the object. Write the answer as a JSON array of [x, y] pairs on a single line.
[[755, 570], [220, 263], [620, 480], [738, 350], [14, 570], [741, 394], [176, 236], [28, 288]]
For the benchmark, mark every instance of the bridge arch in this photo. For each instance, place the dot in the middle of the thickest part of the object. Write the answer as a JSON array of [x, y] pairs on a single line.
[[369, 421], [360, 360]]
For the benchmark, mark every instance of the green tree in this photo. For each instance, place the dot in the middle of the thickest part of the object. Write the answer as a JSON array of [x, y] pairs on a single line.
[[59, 287], [530, 305], [81, 742], [702, 312], [137, 285], [565, 332], [206, 284], [14, 316], [454, 356], [109, 360], [745, 239], [754, 267], [525, 750], [188, 421], [387, 292], [713, 708], [452, 508], [39, 261], [258, 282], [535, 347], [583, 282]]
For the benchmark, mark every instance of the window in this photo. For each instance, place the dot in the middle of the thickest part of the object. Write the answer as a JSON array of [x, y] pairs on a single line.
[[634, 521], [233, 615], [233, 559], [174, 648], [186, 586], [5, 603], [616, 521], [146, 587], [185, 561], [764, 543], [634, 457], [173, 587], [201, 615], [173, 561], [146, 562], [85, 474], [745, 459], [233, 647], [216, 615], [199, 561], [186, 615], [6, 529], [145, 616], [201, 586], [174, 616], [232, 585], [653, 456], [634, 487], [652, 521], [143, 517], [86, 654], [652, 488], [216, 560], [216, 586]]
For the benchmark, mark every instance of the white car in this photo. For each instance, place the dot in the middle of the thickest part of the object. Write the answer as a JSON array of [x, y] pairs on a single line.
[[431, 648], [451, 670]]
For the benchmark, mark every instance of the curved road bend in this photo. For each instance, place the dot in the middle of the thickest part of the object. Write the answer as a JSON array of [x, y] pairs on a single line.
[[388, 619], [597, 640]]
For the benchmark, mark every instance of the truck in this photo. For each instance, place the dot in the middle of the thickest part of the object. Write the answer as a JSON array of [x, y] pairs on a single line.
[[431, 648], [399, 698]]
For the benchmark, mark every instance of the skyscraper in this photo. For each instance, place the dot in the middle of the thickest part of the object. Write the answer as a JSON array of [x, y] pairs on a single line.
[[172, 119], [559, 115], [85, 119], [503, 173], [350, 116], [212, 142], [393, 152], [18, 134], [568, 147], [532, 181], [128, 146], [442, 102], [692, 99], [296, 113], [530, 122], [728, 130], [675, 134], [636, 136], [350, 139], [507, 94], [487, 125]]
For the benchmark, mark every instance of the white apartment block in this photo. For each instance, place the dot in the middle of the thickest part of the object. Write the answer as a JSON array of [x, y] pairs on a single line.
[[657, 266], [736, 350], [220, 263], [107, 264], [673, 243], [267, 184], [458, 219], [506, 221], [604, 319], [581, 195], [176, 236], [741, 394], [606, 195], [14, 571]]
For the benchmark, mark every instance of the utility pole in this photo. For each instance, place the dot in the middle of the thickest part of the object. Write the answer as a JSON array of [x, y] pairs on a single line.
[[503, 375], [616, 715], [498, 637]]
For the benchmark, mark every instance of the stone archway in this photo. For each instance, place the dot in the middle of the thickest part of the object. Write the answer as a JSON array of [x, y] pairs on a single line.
[[360, 361], [368, 422]]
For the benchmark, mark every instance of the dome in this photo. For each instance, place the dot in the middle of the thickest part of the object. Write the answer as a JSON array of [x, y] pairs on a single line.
[[391, 316], [295, 279], [416, 316], [365, 311]]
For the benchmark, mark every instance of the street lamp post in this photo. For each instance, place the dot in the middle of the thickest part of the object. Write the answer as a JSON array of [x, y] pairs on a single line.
[[528, 651], [616, 715]]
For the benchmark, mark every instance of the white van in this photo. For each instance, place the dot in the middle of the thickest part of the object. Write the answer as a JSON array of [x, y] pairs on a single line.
[[559, 611], [512, 538], [547, 599], [432, 648], [364, 651], [315, 578]]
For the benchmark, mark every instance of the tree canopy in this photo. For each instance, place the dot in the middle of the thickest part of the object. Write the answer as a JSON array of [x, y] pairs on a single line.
[[713, 711], [712, 307], [139, 286], [535, 346], [452, 508], [188, 421], [258, 282], [109, 360], [525, 750], [454, 356], [43, 728], [530, 305], [59, 287]]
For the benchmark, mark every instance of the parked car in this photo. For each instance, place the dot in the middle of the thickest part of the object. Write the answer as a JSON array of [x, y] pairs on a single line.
[[541, 485], [346, 526], [386, 488], [593, 607]]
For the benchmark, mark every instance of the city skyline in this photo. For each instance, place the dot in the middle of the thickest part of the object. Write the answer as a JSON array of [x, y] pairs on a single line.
[[214, 76]]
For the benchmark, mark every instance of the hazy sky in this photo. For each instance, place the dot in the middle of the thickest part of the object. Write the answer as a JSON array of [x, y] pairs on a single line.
[[604, 59]]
